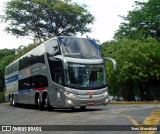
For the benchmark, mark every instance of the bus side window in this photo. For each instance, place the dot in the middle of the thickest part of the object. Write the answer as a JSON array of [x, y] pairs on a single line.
[[39, 81], [58, 76], [56, 71], [52, 48], [39, 55], [36, 81]]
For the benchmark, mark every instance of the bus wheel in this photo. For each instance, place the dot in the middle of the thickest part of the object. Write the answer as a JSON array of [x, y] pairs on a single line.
[[72, 108], [49, 108], [10, 100], [82, 107], [13, 101], [40, 104]]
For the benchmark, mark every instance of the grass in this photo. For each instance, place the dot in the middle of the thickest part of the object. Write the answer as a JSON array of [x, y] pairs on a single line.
[[135, 102]]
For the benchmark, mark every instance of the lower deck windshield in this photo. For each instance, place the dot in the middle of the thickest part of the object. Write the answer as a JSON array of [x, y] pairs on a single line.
[[86, 76]]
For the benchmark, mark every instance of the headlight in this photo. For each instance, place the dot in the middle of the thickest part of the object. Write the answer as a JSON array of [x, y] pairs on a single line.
[[105, 93], [69, 101], [69, 94]]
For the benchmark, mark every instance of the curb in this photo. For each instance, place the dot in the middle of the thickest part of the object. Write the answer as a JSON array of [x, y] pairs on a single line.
[[140, 102]]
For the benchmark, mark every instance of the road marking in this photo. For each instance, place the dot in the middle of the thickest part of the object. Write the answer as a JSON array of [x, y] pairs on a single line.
[[152, 119]]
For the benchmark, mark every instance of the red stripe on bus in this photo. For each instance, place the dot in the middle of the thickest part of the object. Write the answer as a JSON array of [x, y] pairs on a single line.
[[41, 88]]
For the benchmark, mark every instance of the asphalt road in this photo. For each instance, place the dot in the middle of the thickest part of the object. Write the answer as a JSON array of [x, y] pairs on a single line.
[[112, 114]]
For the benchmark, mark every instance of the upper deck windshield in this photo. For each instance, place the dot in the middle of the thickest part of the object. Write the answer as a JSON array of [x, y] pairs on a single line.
[[86, 76], [80, 48]]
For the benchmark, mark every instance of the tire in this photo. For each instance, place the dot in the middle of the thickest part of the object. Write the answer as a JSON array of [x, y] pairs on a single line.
[[40, 104], [13, 103], [36, 103], [72, 108], [47, 100], [10, 100], [82, 107]]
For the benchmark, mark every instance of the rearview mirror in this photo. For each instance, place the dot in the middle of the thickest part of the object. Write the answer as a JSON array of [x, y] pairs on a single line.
[[113, 63]]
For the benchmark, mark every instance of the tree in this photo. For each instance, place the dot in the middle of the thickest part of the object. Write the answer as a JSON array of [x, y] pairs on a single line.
[[142, 22], [138, 67], [42, 19], [6, 56]]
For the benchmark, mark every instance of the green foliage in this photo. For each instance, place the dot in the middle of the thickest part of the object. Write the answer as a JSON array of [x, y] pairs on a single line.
[[6, 56], [138, 63], [1, 97], [24, 49], [42, 19], [142, 22]]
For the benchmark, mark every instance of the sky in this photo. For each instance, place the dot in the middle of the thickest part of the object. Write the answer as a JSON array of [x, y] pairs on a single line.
[[107, 21]]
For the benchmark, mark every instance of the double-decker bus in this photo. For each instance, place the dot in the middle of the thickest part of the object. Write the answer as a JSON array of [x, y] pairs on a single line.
[[63, 72]]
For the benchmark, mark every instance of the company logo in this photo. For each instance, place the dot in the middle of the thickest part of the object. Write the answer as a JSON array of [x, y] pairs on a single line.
[[90, 96], [6, 128], [27, 71]]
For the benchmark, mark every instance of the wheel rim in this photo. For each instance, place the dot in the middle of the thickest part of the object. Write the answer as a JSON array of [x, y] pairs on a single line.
[[10, 100], [46, 101], [38, 102], [13, 102]]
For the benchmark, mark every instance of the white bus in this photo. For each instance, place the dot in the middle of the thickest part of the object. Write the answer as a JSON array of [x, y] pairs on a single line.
[[63, 72]]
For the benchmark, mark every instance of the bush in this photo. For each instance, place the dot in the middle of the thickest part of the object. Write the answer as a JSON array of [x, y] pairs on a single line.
[[138, 68], [1, 97]]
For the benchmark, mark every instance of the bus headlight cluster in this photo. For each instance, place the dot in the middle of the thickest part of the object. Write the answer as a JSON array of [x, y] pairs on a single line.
[[105, 93], [69, 101], [69, 94]]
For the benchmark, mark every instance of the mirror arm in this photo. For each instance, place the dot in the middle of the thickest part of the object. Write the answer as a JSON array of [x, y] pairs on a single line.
[[113, 62]]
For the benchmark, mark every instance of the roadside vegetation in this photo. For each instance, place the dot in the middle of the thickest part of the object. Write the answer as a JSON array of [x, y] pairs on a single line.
[[136, 48], [136, 44]]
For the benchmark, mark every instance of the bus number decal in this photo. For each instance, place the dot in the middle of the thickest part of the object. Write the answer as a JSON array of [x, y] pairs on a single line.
[[90, 92]]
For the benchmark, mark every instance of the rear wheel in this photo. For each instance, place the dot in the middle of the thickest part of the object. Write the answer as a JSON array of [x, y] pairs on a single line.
[[10, 100], [36, 102], [13, 103], [47, 101], [40, 104]]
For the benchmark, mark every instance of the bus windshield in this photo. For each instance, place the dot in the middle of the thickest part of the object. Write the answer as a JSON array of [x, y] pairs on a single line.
[[86, 76], [80, 48]]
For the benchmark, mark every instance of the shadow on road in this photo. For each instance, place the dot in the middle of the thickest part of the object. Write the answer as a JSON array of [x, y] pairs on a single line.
[[68, 110]]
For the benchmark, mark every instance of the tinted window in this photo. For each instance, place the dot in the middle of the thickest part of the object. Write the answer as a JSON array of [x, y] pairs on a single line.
[[39, 55], [80, 48], [33, 82], [56, 71], [33, 57], [52, 48], [24, 62], [11, 68], [24, 84], [39, 81]]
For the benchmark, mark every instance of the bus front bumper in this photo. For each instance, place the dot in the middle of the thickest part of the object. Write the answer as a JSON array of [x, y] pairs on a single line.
[[86, 100]]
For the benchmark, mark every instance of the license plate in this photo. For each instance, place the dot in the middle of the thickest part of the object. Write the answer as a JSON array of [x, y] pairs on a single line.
[[91, 103]]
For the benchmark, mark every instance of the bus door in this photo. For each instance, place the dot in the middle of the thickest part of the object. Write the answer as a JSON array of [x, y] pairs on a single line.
[[57, 77]]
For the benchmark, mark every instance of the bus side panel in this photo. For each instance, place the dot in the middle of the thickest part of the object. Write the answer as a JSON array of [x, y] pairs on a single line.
[[11, 86]]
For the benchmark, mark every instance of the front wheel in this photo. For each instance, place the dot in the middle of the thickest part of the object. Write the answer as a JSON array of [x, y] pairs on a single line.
[[82, 107]]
